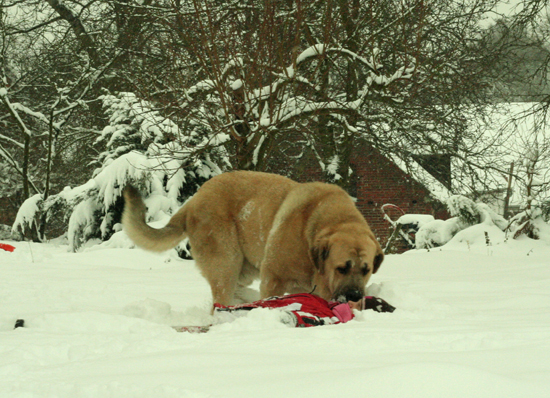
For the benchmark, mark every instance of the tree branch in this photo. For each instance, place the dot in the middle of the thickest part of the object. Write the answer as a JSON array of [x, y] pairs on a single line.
[[86, 41]]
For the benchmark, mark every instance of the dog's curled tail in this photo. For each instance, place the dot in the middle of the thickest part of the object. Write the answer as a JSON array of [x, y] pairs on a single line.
[[133, 222]]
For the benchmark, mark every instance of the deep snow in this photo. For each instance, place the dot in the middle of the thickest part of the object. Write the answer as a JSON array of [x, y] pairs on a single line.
[[471, 321]]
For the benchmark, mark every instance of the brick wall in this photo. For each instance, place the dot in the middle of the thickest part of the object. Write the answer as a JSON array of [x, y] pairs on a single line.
[[380, 181]]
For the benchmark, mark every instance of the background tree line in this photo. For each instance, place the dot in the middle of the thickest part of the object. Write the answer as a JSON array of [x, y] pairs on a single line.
[[227, 84]]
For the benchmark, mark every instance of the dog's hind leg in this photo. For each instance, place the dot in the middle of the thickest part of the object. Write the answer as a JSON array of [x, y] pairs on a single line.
[[220, 261], [222, 273]]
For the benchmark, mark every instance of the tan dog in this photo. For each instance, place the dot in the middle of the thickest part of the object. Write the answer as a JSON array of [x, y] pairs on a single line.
[[243, 224]]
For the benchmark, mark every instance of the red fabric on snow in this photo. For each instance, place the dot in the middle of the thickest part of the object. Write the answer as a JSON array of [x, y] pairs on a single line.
[[308, 309], [6, 247]]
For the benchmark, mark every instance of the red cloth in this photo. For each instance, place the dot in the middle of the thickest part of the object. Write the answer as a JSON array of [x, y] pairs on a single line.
[[6, 247], [308, 309]]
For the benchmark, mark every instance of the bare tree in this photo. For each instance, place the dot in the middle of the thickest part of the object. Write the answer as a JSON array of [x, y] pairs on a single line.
[[320, 75]]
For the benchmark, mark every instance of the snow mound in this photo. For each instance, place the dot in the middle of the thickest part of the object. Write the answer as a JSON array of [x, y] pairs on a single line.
[[480, 236], [160, 312]]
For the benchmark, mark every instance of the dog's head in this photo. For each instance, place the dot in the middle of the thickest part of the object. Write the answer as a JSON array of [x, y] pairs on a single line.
[[345, 259]]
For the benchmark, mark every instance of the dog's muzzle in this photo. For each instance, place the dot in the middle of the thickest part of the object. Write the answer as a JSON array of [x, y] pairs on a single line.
[[353, 294]]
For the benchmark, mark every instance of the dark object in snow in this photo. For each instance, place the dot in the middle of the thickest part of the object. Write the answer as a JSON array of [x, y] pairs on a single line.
[[192, 329], [6, 247], [377, 304], [298, 310], [20, 323]]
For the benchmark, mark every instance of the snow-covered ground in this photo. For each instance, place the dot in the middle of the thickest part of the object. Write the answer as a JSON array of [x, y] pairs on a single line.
[[471, 321]]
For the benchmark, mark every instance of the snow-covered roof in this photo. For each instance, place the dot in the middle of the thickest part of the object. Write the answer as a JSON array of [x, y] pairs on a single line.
[[415, 170]]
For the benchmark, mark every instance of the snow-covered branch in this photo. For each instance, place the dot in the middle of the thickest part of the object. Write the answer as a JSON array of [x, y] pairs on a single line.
[[14, 142], [13, 111]]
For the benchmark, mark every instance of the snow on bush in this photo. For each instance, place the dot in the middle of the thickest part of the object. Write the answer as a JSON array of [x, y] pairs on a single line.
[[463, 208], [406, 226], [133, 125], [532, 223], [466, 213], [473, 222], [28, 215], [436, 233], [96, 210], [83, 222], [471, 213]]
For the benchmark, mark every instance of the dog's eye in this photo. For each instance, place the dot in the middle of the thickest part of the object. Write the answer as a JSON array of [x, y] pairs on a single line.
[[342, 270], [365, 270]]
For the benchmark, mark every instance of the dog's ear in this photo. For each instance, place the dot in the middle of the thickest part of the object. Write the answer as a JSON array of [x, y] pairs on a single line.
[[378, 261], [319, 253]]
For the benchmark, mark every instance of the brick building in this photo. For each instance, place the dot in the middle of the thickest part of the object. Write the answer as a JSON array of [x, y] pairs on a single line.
[[381, 180]]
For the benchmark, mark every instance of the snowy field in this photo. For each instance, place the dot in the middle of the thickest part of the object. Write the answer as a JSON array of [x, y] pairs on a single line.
[[471, 321]]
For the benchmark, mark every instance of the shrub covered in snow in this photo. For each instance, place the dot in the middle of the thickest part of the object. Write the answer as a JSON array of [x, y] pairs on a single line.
[[463, 208], [28, 217], [97, 206], [436, 233], [405, 227], [465, 213], [532, 223], [470, 213]]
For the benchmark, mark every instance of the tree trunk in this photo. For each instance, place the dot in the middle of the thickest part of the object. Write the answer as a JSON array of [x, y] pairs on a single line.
[[44, 217], [25, 168], [508, 191]]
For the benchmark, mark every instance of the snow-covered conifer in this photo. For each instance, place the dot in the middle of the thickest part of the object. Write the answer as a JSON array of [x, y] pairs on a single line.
[[139, 150], [133, 125]]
